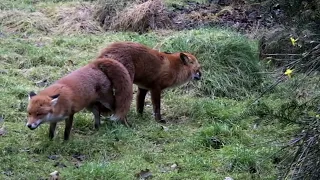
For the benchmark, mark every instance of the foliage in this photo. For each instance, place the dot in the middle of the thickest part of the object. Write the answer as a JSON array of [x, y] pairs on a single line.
[[230, 63]]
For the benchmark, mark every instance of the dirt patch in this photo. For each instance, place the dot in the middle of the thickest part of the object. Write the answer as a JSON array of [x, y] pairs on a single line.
[[142, 16], [241, 16]]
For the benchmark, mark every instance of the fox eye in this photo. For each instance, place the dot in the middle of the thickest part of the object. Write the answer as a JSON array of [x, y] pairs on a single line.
[[29, 114], [38, 114]]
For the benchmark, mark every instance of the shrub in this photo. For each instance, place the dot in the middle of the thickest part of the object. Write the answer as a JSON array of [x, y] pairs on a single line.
[[229, 60]]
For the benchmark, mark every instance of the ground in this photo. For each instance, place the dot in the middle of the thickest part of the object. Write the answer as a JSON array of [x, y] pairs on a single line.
[[207, 137]]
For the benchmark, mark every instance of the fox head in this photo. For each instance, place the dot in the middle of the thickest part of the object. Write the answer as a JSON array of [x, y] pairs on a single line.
[[40, 109], [193, 65]]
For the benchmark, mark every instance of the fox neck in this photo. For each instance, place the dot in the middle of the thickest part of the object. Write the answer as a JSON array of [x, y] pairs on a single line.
[[51, 117], [182, 75]]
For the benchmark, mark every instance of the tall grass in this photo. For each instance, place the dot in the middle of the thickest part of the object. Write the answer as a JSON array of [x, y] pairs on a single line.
[[229, 60]]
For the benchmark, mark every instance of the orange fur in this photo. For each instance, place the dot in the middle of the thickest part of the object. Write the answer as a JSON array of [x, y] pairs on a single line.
[[152, 70], [103, 81]]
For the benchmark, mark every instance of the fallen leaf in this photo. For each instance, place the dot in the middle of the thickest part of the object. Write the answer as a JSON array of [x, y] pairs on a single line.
[[252, 170], [174, 166], [70, 63], [77, 164], [228, 178], [215, 143], [164, 128], [144, 174], [79, 157], [169, 167], [8, 172], [2, 131], [59, 164], [41, 83], [3, 71], [53, 157], [54, 175]]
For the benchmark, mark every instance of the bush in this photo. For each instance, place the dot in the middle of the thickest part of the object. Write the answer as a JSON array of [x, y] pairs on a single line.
[[137, 17], [229, 60]]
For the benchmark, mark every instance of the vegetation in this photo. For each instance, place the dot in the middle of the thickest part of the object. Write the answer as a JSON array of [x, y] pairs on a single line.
[[219, 127]]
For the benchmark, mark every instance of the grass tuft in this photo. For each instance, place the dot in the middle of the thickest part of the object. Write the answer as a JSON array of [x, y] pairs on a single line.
[[142, 17], [229, 60], [15, 21]]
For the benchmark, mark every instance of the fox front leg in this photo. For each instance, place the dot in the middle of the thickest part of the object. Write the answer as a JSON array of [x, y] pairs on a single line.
[[156, 101], [68, 127], [141, 95], [52, 128]]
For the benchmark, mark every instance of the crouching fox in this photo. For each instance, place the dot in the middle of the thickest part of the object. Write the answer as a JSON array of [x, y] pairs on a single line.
[[103, 81]]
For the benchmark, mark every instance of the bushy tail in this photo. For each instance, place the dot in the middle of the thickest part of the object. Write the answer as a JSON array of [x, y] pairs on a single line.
[[121, 82]]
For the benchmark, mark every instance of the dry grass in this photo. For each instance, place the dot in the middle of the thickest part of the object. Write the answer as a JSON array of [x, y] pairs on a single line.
[[141, 17], [105, 10], [75, 18], [23, 22]]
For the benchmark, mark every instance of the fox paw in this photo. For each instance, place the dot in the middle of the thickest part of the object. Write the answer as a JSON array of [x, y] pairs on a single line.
[[162, 121]]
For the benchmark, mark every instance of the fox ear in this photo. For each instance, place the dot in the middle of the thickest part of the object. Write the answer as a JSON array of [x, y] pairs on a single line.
[[54, 99], [184, 58], [31, 94]]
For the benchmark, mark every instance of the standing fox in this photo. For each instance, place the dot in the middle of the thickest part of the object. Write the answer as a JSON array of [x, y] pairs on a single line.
[[102, 82], [152, 70]]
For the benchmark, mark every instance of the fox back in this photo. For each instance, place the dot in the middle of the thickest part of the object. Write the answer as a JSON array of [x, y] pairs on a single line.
[[148, 67]]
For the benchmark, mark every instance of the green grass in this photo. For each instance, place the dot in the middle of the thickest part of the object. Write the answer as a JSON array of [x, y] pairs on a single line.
[[230, 70], [230, 61]]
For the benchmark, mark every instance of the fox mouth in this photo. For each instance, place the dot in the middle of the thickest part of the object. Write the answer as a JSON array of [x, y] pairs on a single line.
[[32, 128], [197, 76]]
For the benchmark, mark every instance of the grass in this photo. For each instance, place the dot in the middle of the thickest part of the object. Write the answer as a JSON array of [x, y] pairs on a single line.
[[195, 118], [230, 60]]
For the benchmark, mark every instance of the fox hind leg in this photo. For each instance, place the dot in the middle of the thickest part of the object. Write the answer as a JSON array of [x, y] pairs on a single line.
[[96, 114], [96, 111]]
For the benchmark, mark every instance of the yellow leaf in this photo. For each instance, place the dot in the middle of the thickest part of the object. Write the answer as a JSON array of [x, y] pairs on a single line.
[[288, 72], [293, 41]]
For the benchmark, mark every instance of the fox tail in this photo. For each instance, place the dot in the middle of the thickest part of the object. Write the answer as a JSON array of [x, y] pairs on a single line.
[[121, 83]]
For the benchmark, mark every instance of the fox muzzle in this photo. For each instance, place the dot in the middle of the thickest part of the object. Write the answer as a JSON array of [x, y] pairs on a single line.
[[197, 76], [34, 125]]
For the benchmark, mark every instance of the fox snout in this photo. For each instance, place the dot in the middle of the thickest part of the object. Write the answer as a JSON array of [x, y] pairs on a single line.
[[197, 75], [30, 126], [34, 125]]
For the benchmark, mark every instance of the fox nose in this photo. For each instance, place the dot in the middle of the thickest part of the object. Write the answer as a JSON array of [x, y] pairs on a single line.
[[197, 76], [29, 126]]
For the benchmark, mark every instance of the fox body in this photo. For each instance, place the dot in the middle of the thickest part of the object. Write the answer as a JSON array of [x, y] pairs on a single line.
[[152, 70], [102, 84]]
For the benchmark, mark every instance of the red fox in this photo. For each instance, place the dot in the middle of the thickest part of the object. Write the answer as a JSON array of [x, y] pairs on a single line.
[[101, 82], [152, 70]]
